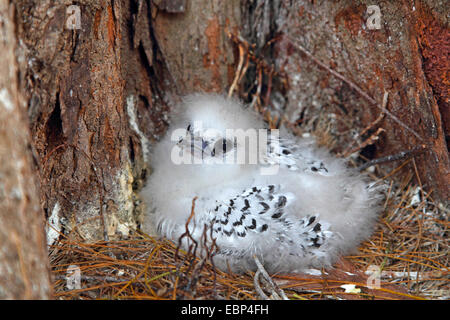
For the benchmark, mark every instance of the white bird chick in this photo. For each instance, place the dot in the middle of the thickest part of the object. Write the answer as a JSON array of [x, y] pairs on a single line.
[[296, 207]]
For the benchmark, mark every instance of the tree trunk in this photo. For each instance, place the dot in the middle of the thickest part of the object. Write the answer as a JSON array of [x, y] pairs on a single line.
[[194, 43], [94, 103], [24, 272]]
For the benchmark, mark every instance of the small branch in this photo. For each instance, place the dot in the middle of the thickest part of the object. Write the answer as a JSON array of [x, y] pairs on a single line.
[[395, 157], [277, 293], [239, 72], [372, 138], [369, 141], [187, 233], [258, 287]]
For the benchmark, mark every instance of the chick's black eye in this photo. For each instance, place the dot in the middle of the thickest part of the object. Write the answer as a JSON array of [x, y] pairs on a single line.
[[227, 145], [222, 146]]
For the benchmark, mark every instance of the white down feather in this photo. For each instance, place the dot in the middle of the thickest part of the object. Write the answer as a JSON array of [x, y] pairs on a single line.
[[342, 201]]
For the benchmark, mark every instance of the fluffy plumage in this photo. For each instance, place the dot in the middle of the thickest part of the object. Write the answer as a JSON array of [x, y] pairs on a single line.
[[312, 210]]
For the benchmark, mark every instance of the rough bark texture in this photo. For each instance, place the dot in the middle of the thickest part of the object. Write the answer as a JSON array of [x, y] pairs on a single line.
[[88, 90], [195, 46], [24, 272]]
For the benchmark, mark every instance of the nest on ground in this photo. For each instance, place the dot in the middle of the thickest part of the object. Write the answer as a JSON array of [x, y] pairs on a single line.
[[407, 257]]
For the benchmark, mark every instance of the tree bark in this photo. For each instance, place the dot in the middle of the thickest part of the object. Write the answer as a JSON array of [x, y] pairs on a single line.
[[194, 43], [94, 103], [24, 272]]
